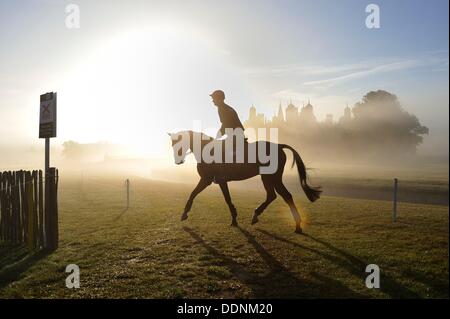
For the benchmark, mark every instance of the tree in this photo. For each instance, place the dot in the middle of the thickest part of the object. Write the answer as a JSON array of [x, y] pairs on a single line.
[[381, 119]]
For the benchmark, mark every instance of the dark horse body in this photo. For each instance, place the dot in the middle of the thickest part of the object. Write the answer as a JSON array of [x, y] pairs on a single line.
[[222, 173]]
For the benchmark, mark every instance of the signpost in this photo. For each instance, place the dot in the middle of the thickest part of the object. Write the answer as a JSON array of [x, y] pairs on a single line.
[[47, 130], [47, 123]]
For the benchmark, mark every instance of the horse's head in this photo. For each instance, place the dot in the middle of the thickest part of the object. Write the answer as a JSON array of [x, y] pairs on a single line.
[[181, 145]]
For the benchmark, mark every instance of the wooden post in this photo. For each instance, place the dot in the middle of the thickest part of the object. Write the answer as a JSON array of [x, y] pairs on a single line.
[[16, 208], [47, 155], [9, 210], [1, 207], [41, 211], [29, 192], [15, 220], [394, 210], [35, 209], [127, 182], [55, 210], [47, 209], [4, 204], [23, 206], [47, 194], [4, 207], [11, 197], [51, 210]]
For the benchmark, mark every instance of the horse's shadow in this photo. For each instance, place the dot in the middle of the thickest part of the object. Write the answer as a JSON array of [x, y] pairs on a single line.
[[279, 282], [352, 264]]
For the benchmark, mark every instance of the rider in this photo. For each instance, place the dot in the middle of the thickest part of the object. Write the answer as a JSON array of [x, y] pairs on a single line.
[[229, 119]]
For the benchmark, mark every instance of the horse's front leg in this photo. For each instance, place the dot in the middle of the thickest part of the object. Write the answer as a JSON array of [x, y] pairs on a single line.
[[226, 194], [202, 184]]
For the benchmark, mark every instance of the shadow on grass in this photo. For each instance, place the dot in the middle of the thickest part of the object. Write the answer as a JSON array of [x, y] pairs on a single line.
[[352, 264], [15, 260], [120, 215], [438, 285], [279, 282]]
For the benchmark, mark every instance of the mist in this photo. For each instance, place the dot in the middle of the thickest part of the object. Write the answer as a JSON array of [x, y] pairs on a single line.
[[375, 137]]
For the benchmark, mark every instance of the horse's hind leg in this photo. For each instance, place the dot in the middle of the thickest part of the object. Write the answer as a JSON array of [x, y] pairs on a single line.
[[271, 195], [282, 190], [226, 195], [202, 184]]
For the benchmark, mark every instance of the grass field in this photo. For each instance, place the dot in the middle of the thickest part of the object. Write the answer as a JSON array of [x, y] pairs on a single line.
[[146, 252]]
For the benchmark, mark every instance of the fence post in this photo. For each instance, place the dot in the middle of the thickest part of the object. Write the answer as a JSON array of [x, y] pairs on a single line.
[[23, 205], [15, 213], [2, 208], [127, 182], [41, 211], [55, 209], [29, 193], [35, 209], [11, 197], [9, 209], [51, 210], [23, 218], [394, 210], [47, 210]]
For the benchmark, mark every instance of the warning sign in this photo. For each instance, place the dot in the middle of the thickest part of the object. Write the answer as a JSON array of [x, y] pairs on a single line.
[[47, 115]]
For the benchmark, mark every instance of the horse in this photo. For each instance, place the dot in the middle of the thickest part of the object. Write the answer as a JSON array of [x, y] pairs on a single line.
[[222, 173]]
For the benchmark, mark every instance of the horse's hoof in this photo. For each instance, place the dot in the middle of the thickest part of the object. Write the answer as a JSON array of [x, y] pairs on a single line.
[[184, 217], [299, 231], [255, 220], [234, 223]]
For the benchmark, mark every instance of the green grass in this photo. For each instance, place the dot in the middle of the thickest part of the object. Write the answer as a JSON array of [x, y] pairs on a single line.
[[146, 252]]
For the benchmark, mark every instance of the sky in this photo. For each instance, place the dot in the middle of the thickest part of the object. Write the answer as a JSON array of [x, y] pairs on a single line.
[[135, 70]]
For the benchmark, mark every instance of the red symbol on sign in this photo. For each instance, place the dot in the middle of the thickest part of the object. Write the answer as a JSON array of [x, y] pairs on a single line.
[[45, 109]]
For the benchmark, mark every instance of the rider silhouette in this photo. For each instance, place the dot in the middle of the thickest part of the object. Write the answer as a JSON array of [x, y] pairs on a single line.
[[230, 120], [228, 116]]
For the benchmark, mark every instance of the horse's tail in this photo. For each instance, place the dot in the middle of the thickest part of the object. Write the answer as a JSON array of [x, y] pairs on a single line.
[[313, 193]]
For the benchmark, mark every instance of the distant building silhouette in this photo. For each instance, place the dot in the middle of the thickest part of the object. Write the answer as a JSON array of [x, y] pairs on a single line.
[[307, 114], [344, 120], [255, 119], [372, 127], [279, 118], [294, 116]]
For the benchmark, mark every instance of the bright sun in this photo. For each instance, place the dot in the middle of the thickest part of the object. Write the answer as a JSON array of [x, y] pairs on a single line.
[[128, 90]]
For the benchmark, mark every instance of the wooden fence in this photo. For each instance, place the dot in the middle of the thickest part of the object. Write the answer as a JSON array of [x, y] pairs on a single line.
[[29, 208]]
